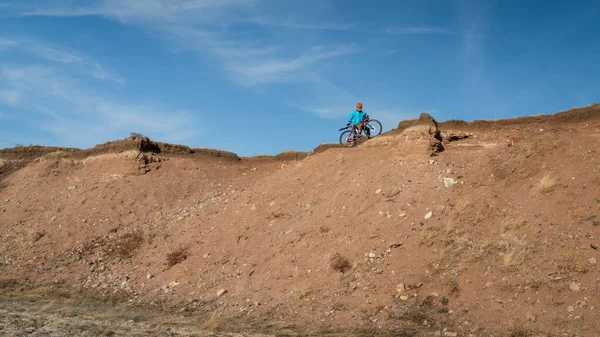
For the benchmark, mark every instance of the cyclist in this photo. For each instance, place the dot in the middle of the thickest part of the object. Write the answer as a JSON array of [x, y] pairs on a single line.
[[356, 118]]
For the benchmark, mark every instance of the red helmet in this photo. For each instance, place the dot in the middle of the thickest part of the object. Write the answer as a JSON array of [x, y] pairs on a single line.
[[359, 105]]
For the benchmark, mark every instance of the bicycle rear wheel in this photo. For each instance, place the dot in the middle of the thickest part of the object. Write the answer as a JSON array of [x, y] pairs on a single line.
[[375, 127], [346, 139]]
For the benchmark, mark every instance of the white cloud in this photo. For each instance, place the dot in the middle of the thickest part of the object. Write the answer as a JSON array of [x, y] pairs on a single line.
[[10, 97], [45, 51], [276, 70], [80, 116], [204, 26], [296, 24], [417, 30], [100, 73], [128, 11]]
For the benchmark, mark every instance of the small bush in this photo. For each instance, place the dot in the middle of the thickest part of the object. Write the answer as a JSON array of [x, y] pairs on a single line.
[[339, 263], [546, 184], [177, 256], [128, 244], [513, 224]]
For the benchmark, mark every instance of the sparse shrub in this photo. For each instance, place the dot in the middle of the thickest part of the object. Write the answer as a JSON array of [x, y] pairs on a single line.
[[444, 300], [516, 251], [443, 310], [38, 235], [546, 184], [513, 224], [339, 263], [128, 244], [176, 256]]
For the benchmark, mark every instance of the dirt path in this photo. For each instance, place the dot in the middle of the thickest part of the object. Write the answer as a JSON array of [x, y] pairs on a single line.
[[68, 318]]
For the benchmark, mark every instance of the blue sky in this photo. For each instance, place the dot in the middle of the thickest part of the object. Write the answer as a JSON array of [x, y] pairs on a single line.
[[264, 76]]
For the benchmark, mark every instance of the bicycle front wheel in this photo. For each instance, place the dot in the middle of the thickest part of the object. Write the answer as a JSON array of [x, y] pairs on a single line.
[[346, 139], [375, 127]]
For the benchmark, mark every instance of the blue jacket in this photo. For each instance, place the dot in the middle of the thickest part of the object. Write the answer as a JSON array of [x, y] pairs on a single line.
[[356, 117]]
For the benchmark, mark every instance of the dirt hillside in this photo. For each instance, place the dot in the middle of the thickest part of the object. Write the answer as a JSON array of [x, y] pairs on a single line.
[[489, 228]]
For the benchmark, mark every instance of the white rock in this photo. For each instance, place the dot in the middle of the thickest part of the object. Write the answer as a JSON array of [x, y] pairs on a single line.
[[429, 215], [574, 286], [221, 292], [148, 276], [570, 308], [592, 260], [449, 182], [400, 288], [379, 190], [372, 255]]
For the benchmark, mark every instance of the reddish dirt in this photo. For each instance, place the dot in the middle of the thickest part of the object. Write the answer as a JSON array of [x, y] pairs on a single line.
[[362, 239]]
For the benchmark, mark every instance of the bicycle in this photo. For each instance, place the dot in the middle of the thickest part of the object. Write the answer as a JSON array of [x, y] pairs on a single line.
[[349, 138]]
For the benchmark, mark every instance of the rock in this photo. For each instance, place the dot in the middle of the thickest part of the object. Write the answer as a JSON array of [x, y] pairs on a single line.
[[592, 260], [149, 276], [429, 215], [450, 334], [377, 191], [590, 218], [221, 292], [574, 286], [372, 254], [570, 308], [400, 288], [530, 317], [404, 298], [449, 182], [173, 284], [488, 284], [435, 147], [431, 161]]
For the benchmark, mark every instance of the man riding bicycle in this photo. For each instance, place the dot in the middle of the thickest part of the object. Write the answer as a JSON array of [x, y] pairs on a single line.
[[356, 119]]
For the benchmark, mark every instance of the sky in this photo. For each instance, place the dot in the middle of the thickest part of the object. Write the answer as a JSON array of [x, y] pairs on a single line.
[[265, 76]]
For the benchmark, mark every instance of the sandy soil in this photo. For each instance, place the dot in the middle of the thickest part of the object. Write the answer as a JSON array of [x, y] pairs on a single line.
[[473, 229]]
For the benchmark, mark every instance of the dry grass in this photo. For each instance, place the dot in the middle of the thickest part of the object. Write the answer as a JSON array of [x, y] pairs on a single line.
[[546, 184], [571, 262], [513, 224], [516, 251], [428, 234], [339, 263], [176, 256], [126, 245], [460, 208]]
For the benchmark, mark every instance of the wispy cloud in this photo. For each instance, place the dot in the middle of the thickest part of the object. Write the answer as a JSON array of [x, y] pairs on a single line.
[[131, 10], [296, 24], [77, 115], [277, 70], [51, 53], [417, 30], [10, 97], [100, 73], [203, 26]]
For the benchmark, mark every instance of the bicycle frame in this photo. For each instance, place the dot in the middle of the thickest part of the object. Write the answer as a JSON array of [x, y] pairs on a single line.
[[355, 134]]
